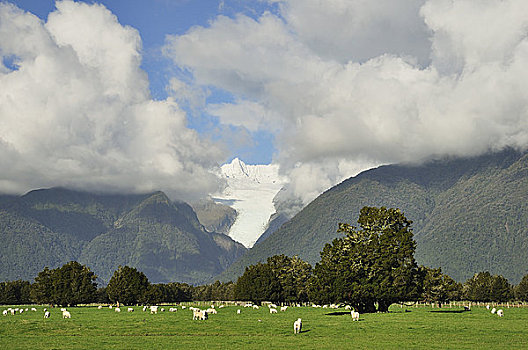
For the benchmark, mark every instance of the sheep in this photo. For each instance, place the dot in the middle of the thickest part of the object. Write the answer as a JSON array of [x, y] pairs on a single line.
[[63, 309], [99, 307], [273, 311], [173, 309], [211, 311], [130, 309], [45, 309], [145, 308], [500, 313], [21, 310], [348, 307], [117, 309], [487, 307], [297, 326], [153, 310], [46, 314], [248, 305], [66, 314], [238, 311], [33, 309], [272, 306], [109, 306], [256, 307], [183, 307], [355, 315], [493, 310], [283, 308], [199, 314], [12, 312], [4, 312], [162, 309]]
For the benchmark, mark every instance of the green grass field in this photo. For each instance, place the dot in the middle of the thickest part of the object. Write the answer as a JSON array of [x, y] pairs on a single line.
[[420, 328]]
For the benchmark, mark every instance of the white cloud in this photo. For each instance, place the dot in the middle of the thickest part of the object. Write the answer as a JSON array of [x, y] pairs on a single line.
[[77, 111], [358, 83]]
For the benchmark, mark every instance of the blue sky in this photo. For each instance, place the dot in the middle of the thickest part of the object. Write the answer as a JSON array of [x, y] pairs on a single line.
[[154, 19]]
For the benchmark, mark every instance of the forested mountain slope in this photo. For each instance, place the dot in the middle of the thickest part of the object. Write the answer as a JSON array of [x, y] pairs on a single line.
[[164, 239]]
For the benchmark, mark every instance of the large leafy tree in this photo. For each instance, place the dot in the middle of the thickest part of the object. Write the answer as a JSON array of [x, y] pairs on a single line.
[[127, 285], [70, 284], [372, 264], [521, 290], [15, 292], [438, 286], [258, 283], [486, 287], [293, 275]]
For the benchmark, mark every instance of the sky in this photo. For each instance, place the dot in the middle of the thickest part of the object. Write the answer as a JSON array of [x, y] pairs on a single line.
[[130, 95]]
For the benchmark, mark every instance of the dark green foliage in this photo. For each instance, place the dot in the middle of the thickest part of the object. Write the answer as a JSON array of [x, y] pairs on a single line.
[[128, 286], [258, 283], [15, 292], [373, 264], [468, 215], [439, 287], [215, 291], [485, 287], [521, 290], [68, 285], [164, 239]]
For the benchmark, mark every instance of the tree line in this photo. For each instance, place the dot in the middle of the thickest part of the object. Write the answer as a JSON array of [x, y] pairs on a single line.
[[370, 267]]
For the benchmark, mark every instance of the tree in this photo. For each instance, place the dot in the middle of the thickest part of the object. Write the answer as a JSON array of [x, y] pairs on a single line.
[[127, 285], [257, 284], [15, 292], [373, 264], [293, 275], [438, 286], [70, 284], [485, 287], [521, 290]]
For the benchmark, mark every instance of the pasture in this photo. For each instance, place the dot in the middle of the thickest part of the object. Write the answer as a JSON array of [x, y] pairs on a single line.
[[418, 328]]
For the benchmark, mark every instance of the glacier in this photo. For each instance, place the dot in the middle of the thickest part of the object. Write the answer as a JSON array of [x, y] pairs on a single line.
[[250, 191]]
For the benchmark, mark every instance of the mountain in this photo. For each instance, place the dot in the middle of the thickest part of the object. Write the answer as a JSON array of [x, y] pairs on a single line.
[[469, 215], [164, 239], [250, 191]]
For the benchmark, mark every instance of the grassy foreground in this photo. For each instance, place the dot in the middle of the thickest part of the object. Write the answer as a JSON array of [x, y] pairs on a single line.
[[419, 328]]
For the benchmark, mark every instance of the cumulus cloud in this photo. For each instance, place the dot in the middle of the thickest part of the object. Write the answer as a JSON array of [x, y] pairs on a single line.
[[75, 110], [351, 84]]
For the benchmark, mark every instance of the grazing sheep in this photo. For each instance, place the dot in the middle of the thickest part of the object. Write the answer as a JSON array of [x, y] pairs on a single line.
[[211, 311], [248, 305], [21, 310], [99, 307], [273, 311], [12, 312], [47, 314], [238, 311], [221, 306], [256, 307], [199, 314], [173, 309], [4, 312], [500, 313], [45, 309], [487, 307], [66, 314], [33, 309], [355, 315], [297, 326], [109, 306], [183, 307], [272, 306], [130, 309], [153, 310], [493, 310], [162, 309], [283, 308], [145, 308], [117, 309], [348, 307], [63, 309]]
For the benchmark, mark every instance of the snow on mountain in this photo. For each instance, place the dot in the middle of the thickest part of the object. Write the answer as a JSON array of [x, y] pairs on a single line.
[[250, 191]]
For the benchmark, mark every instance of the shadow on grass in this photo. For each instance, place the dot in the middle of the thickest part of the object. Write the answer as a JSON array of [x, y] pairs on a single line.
[[450, 311], [338, 313]]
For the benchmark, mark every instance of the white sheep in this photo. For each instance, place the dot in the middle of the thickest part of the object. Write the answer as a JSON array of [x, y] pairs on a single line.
[[173, 309], [109, 306], [256, 307], [145, 308], [153, 310], [46, 314], [4, 312], [493, 310], [130, 309], [272, 306], [199, 314], [487, 307], [348, 307], [33, 309], [100, 307], [297, 326], [211, 311], [66, 314], [500, 313], [283, 308], [117, 309], [273, 311], [355, 315], [238, 311]]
